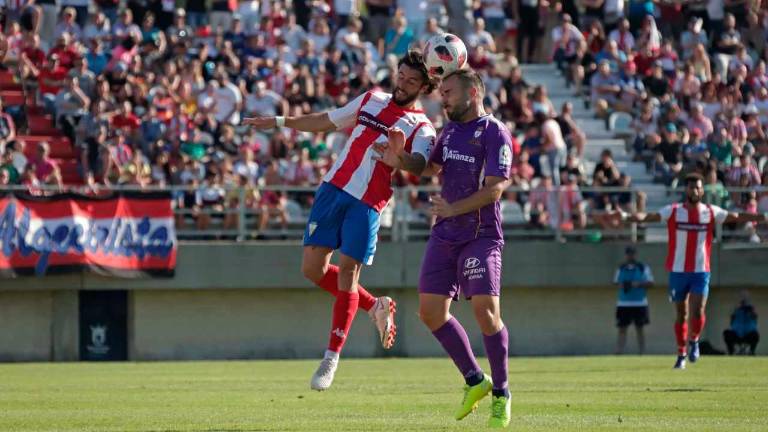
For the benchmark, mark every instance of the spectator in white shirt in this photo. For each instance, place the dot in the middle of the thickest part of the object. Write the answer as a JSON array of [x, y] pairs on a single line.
[[229, 101], [480, 37], [263, 102]]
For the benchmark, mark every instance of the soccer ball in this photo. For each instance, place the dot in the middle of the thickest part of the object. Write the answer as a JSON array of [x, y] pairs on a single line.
[[444, 54]]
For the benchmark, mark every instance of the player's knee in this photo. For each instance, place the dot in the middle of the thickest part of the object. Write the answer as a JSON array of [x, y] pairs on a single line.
[[313, 273], [433, 319]]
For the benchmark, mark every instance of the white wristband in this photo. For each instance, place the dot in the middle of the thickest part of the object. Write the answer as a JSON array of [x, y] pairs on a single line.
[[279, 121], [624, 216]]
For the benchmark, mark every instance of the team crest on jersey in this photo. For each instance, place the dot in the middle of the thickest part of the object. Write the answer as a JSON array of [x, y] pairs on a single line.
[[505, 156], [476, 137]]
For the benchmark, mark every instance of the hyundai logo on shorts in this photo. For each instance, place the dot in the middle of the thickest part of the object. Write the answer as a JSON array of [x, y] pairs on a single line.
[[471, 263]]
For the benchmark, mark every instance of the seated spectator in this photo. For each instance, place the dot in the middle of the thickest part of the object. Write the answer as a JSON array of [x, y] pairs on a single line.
[[743, 330], [233, 197], [45, 169], [693, 37], [605, 89], [544, 204], [714, 190], [696, 150], [262, 102], [211, 200], [697, 120], [99, 28], [272, 201], [480, 37], [8, 169], [745, 173], [67, 24], [721, 148], [726, 44], [632, 89], [71, 105], [670, 150], [623, 37], [7, 128], [94, 157], [397, 39], [571, 214], [657, 83], [512, 211], [575, 139]]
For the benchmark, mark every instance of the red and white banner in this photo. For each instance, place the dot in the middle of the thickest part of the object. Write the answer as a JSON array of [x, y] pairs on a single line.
[[128, 234]]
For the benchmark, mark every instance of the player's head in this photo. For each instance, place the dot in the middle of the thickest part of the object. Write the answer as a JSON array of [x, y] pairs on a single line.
[[462, 92], [694, 188], [630, 253], [412, 79]]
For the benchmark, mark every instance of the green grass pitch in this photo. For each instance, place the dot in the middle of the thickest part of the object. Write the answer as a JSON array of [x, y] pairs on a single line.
[[549, 394]]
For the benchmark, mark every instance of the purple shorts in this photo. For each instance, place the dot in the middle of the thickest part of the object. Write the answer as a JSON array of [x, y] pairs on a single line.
[[472, 268]]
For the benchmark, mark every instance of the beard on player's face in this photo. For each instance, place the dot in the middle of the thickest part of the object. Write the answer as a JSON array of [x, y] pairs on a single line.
[[402, 97], [459, 110], [693, 196]]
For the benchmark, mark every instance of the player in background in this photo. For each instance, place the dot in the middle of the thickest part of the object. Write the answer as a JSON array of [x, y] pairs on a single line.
[[473, 155], [690, 228], [345, 213]]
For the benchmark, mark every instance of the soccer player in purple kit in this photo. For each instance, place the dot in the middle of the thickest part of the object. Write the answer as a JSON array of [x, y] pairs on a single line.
[[473, 155]]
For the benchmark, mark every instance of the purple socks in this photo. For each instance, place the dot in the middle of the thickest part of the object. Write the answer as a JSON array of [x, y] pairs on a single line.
[[496, 348], [454, 340]]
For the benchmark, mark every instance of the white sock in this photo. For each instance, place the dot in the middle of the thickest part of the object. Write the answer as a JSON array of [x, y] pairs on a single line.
[[331, 355]]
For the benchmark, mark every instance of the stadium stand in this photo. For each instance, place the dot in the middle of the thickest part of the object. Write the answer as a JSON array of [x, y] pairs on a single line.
[[169, 86]]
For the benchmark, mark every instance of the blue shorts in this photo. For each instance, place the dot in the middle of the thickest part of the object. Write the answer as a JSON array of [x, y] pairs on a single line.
[[681, 284], [340, 221]]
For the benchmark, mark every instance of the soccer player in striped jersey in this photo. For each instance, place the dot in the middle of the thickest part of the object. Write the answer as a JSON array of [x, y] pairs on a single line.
[[690, 228], [473, 156], [345, 213]]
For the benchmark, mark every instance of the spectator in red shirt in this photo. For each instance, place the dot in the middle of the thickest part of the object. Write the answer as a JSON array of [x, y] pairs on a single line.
[[126, 119], [31, 58], [51, 80], [66, 50]]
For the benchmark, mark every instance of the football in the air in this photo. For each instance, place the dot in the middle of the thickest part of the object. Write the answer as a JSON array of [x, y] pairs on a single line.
[[444, 54]]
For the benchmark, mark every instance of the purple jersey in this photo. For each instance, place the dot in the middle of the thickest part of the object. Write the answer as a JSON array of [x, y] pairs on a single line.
[[468, 152]]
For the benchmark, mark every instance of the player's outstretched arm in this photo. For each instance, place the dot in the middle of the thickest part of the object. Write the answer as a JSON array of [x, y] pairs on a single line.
[[623, 217], [490, 193], [746, 217], [315, 122]]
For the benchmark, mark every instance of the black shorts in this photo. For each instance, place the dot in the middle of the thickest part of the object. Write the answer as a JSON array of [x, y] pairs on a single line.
[[637, 315]]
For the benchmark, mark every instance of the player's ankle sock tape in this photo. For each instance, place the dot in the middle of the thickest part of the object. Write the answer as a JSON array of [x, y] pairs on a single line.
[[474, 379], [501, 392]]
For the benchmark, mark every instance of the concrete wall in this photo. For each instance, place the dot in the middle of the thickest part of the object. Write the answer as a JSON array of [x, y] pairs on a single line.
[[230, 324], [533, 264], [249, 301]]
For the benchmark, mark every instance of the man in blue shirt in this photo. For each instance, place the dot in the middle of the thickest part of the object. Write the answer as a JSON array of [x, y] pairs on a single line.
[[633, 279], [743, 329]]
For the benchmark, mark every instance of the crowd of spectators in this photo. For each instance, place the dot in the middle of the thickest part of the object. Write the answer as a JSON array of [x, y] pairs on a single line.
[[152, 92], [692, 76]]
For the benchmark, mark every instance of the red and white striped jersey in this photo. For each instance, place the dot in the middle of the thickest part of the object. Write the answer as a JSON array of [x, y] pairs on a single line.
[[370, 115], [690, 234]]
